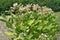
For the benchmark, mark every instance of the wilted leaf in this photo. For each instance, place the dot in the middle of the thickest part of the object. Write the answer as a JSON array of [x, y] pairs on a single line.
[[30, 22], [9, 33]]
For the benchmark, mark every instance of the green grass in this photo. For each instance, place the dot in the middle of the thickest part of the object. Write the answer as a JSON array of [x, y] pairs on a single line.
[[58, 19]]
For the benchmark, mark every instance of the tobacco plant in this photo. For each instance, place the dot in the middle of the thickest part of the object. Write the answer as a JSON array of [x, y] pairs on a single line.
[[30, 22]]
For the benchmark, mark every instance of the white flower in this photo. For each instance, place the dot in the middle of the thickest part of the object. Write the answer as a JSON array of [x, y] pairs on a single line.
[[28, 6], [21, 8], [30, 12], [21, 33], [31, 16], [15, 4], [22, 14], [36, 7], [39, 36], [27, 30], [42, 34], [45, 35], [27, 27], [12, 10], [24, 34], [11, 7]]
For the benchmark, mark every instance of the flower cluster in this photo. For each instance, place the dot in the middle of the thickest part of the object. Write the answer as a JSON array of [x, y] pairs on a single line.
[[29, 7]]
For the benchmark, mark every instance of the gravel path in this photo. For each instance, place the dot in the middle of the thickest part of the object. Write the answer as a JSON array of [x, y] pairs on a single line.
[[2, 30]]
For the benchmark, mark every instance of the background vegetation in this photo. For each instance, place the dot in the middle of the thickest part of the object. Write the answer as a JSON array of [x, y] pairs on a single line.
[[54, 4]]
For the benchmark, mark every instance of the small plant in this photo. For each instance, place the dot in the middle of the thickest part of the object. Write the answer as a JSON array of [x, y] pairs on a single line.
[[30, 22]]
